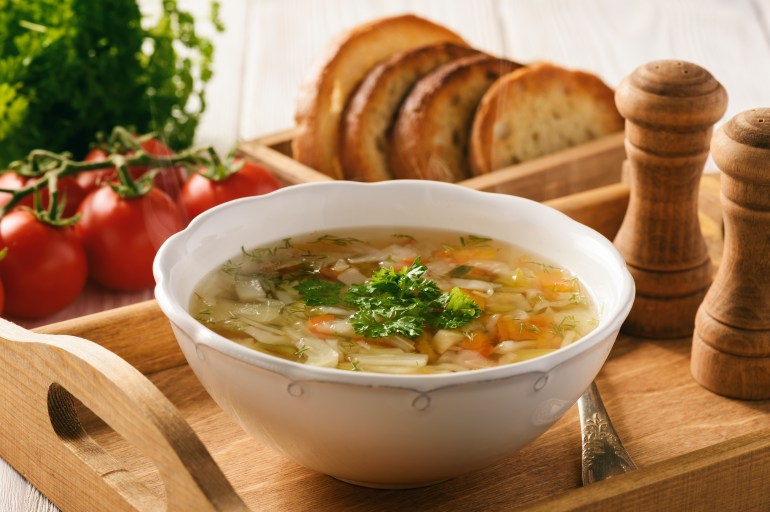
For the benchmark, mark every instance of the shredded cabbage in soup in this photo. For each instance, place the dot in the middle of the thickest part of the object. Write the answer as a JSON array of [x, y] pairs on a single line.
[[423, 302]]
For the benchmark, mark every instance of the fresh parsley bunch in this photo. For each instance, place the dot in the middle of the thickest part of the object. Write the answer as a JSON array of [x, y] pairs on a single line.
[[72, 68]]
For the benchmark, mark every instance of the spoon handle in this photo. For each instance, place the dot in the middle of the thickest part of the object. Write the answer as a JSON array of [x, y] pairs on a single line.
[[603, 453]]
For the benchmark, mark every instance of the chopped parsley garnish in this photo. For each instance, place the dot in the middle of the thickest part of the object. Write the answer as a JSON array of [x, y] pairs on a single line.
[[336, 240], [545, 267], [319, 293], [460, 270], [260, 253], [230, 268], [567, 323], [474, 241], [459, 309], [404, 302]]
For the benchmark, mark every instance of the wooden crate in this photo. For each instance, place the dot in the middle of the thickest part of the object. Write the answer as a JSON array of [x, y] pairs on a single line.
[[589, 166], [585, 182]]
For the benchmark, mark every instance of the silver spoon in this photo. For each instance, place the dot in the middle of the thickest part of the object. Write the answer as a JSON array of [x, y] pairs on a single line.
[[603, 453]]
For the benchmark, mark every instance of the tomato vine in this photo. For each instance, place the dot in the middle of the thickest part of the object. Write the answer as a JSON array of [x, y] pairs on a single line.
[[45, 168], [109, 212]]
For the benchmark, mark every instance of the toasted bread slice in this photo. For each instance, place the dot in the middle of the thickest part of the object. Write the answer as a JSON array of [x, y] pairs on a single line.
[[343, 65], [371, 111], [431, 132], [538, 110]]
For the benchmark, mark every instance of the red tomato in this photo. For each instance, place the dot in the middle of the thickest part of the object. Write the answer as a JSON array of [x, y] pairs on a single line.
[[12, 181], [168, 180], [121, 236], [45, 267], [68, 187], [69, 191], [90, 180], [200, 193]]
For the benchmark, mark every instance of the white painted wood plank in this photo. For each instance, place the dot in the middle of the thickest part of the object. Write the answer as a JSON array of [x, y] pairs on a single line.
[[289, 35], [219, 122], [612, 38], [17, 495]]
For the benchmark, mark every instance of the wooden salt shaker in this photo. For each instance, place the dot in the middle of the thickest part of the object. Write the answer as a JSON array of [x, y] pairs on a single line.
[[670, 109], [731, 344]]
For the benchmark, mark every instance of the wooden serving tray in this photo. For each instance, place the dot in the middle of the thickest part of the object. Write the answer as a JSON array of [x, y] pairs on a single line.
[[581, 168], [121, 423]]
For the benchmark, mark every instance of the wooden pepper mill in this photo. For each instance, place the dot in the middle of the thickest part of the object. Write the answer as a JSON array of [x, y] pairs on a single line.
[[731, 344], [670, 109]]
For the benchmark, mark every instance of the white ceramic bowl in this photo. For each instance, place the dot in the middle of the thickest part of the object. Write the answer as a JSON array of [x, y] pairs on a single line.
[[391, 430]]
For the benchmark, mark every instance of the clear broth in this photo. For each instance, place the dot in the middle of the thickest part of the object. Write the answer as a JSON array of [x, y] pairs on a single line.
[[526, 306]]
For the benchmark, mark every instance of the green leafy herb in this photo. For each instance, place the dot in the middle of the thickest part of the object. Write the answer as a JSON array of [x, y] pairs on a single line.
[[460, 270], [404, 302], [545, 267], [230, 268], [567, 323], [319, 293], [337, 240], [459, 309], [72, 68], [260, 253], [474, 241]]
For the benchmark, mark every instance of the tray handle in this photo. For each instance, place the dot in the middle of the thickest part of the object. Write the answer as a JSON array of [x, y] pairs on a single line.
[[42, 437]]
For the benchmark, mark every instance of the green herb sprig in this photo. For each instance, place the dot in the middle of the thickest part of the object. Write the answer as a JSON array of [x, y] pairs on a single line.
[[405, 302], [319, 293]]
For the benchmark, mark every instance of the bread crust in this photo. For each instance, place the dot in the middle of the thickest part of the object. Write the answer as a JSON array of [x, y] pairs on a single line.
[[431, 133], [343, 64], [538, 110], [371, 111]]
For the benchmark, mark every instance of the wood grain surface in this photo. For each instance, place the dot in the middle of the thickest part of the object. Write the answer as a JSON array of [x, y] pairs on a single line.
[[264, 54], [585, 167], [696, 450], [731, 343], [670, 107]]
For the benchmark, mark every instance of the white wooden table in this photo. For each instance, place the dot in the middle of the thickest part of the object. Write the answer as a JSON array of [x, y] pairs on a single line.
[[269, 45]]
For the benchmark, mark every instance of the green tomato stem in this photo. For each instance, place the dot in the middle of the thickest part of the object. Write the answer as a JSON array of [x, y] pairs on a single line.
[[46, 168]]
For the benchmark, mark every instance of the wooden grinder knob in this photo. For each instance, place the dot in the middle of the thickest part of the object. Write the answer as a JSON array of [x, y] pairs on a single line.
[[670, 109], [731, 344]]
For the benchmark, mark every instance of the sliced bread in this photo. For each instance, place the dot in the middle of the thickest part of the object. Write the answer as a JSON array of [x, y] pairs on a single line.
[[538, 110], [370, 113], [431, 132], [341, 68]]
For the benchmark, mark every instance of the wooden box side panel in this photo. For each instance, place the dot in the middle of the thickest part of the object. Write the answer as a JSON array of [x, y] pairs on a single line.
[[585, 167], [731, 476]]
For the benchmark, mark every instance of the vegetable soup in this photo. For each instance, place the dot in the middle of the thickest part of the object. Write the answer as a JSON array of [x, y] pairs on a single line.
[[394, 301]]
